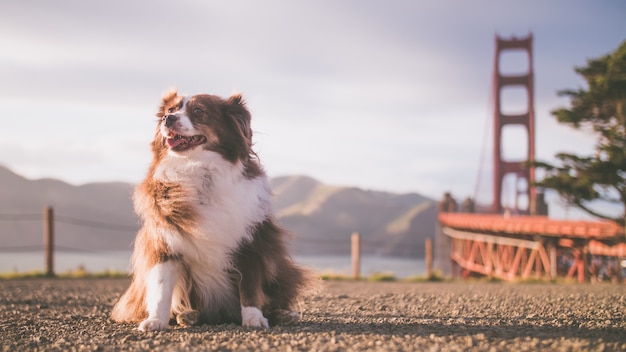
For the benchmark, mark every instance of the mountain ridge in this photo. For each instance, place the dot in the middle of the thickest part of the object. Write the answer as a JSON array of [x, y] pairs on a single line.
[[100, 216]]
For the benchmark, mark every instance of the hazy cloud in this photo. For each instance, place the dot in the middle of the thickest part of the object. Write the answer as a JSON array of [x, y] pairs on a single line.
[[390, 96]]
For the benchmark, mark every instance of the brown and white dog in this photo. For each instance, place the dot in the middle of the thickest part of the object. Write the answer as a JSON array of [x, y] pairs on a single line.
[[210, 249]]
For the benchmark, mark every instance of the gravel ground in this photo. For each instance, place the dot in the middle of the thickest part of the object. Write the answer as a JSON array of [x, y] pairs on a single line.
[[60, 315]]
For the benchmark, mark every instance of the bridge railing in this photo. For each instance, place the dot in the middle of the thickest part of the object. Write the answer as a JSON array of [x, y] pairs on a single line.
[[532, 225]]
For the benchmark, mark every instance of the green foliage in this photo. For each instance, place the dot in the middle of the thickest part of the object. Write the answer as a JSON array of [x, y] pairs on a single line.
[[78, 273], [581, 180], [331, 276], [327, 276], [382, 277], [436, 276], [22, 275]]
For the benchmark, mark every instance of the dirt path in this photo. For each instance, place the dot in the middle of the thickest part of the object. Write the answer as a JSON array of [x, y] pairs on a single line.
[[48, 315]]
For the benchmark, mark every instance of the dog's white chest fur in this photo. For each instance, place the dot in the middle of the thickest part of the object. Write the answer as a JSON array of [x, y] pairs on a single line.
[[227, 203], [227, 207]]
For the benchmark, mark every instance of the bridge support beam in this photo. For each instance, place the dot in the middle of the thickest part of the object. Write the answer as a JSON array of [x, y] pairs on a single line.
[[580, 262], [501, 257]]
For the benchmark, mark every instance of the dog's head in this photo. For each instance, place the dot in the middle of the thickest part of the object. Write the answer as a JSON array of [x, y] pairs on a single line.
[[203, 123]]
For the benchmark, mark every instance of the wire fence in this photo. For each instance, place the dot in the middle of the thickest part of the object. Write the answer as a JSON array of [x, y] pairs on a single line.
[[21, 217], [96, 224], [132, 228], [62, 219], [345, 245]]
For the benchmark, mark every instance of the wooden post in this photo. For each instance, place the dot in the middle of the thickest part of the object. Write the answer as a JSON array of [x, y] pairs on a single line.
[[455, 266], [583, 274], [48, 240], [553, 259], [538, 263], [429, 258], [356, 255], [618, 275]]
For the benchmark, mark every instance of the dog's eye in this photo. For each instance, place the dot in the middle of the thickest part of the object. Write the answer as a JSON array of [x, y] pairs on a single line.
[[197, 111], [170, 110]]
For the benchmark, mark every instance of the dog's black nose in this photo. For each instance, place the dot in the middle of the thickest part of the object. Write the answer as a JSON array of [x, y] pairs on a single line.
[[169, 120]]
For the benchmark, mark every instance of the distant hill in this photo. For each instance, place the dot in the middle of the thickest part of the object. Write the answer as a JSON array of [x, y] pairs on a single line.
[[104, 206], [324, 217], [99, 216]]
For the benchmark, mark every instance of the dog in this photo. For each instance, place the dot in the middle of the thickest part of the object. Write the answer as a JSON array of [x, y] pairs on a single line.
[[210, 249]]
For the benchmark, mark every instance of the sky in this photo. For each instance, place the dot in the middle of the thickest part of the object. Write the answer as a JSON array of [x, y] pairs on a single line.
[[383, 95]]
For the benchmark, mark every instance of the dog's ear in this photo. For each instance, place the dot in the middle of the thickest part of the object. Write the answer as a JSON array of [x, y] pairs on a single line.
[[237, 111], [169, 99]]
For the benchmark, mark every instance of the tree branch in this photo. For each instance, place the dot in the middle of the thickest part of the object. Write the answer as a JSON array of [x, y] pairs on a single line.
[[599, 215]]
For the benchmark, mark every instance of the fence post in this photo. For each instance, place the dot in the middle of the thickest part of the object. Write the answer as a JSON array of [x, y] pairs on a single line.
[[553, 260], [429, 258], [356, 255], [48, 240]]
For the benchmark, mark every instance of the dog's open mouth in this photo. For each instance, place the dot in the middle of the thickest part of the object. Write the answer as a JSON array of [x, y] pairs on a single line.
[[180, 143]]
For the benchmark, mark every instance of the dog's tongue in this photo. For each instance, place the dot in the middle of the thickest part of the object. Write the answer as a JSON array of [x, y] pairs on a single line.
[[178, 143], [181, 143]]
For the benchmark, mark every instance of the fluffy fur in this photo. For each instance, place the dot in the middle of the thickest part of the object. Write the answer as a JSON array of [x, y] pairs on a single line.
[[210, 249]]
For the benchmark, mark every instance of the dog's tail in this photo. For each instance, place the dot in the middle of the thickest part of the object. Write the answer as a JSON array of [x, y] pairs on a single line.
[[131, 308]]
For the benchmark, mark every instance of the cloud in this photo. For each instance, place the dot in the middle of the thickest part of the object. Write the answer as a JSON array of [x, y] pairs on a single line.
[[389, 96]]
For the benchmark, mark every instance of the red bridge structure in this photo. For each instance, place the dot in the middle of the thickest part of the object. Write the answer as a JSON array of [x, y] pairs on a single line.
[[531, 247], [521, 242]]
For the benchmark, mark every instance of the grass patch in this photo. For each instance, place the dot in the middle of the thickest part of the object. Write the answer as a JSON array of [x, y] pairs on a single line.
[[377, 277], [492, 279], [527, 281], [23, 275], [332, 276], [434, 277], [383, 277], [78, 273], [532, 281]]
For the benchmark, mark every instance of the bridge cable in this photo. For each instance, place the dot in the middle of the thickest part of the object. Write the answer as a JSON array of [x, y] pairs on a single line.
[[486, 128]]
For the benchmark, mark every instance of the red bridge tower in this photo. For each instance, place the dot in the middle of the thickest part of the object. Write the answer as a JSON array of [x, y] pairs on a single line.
[[526, 119]]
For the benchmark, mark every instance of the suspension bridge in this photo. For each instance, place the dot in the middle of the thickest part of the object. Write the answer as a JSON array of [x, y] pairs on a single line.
[[521, 241]]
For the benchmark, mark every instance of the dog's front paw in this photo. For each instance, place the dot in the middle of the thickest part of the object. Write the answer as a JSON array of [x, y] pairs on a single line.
[[153, 324], [252, 317]]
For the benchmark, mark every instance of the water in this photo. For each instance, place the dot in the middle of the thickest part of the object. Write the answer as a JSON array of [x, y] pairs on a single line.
[[342, 265], [118, 261], [66, 261]]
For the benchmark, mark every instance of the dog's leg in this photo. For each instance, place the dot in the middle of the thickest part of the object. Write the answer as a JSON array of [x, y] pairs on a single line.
[[251, 297], [160, 284]]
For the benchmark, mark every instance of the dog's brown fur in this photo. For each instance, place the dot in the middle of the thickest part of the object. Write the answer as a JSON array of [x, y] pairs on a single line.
[[259, 270]]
